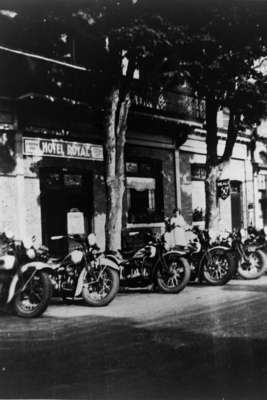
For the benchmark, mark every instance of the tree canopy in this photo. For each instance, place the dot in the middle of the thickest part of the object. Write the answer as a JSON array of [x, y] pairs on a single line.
[[213, 48]]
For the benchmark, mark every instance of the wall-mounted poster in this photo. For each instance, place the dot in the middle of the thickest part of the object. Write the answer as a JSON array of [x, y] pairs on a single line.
[[75, 223]]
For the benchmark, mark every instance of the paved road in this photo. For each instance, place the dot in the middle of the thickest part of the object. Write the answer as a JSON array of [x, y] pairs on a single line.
[[205, 343]]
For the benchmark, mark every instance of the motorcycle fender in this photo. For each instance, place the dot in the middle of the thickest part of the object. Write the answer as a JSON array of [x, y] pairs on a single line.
[[181, 254], [81, 279], [37, 265], [264, 257], [220, 247], [12, 288], [105, 262], [117, 260], [224, 248], [109, 263]]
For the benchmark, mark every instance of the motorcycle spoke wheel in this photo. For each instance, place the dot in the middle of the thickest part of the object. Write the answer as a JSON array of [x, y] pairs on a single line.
[[253, 268], [100, 289], [173, 274], [32, 301], [100, 292], [217, 267]]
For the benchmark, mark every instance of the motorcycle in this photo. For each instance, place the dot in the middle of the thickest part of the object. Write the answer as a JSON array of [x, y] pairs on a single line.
[[214, 264], [250, 258], [152, 265], [23, 282], [83, 273]]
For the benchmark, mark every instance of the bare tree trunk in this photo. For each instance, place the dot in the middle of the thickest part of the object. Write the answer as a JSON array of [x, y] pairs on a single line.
[[115, 127], [214, 165], [212, 212]]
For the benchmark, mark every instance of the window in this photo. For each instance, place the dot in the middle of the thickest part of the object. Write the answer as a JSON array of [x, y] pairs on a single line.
[[198, 173], [72, 180], [144, 191], [261, 182]]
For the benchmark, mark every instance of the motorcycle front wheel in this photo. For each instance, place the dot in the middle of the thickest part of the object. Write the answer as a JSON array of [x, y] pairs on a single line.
[[172, 273], [218, 266], [33, 301], [253, 268], [100, 292]]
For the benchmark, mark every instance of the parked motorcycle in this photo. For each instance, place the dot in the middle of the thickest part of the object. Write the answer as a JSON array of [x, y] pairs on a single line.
[[214, 264], [249, 254], [23, 282], [153, 265], [83, 273]]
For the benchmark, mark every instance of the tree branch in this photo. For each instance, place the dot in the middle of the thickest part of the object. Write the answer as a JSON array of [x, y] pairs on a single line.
[[232, 133], [112, 101], [212, 136]]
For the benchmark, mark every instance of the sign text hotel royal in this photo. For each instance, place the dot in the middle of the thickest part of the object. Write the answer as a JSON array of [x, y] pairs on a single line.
[[59, 148]]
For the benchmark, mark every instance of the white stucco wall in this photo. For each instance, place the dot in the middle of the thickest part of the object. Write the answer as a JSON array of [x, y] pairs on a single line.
[[239, 169]]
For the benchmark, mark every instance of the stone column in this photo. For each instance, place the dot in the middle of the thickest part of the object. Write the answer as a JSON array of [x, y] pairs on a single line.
[[177, 178], [20, 201]]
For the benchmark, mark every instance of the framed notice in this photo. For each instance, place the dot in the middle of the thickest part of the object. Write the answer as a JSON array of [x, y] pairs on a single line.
[[75, 223]]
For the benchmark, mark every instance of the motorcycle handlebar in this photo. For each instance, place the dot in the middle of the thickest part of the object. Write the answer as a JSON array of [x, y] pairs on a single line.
[[57, 237]]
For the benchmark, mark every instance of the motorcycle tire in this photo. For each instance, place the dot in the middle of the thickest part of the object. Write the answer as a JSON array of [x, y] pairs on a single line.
[[249, 271], [92, 299], [215, 274], [21, 305], [180, 273]]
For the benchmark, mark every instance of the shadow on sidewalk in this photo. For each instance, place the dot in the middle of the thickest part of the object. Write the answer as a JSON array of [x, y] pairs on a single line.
[[113, 359], [245, 287]]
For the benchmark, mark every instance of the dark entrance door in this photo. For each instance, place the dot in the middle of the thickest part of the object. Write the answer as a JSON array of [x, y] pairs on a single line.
[[63, 191], [236, 204]]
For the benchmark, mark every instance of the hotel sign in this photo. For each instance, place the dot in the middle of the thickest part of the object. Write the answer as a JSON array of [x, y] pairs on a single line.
[[61, 148]]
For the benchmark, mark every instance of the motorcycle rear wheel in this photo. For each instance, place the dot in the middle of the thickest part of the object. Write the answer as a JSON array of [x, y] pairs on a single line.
[[176, 278], [100, 294], [33, 301], [218, 267], [254, 268]]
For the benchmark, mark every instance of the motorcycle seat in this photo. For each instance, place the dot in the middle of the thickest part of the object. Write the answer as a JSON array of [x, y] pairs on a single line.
[[128, 253], [180, 248], [55, 260]]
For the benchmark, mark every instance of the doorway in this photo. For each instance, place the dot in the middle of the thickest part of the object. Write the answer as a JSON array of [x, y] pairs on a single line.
[[63, 191], [236, 204]]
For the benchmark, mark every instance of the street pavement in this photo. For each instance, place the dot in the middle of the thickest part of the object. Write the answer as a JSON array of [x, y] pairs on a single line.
[[204, 343]]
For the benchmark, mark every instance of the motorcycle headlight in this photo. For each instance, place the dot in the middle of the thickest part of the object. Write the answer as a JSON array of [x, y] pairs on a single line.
[[229, 241], [151, 251], [91, 239], [30, 253], [76, 256], [242, 233], [212, 235], [9, 234], [27, 243]]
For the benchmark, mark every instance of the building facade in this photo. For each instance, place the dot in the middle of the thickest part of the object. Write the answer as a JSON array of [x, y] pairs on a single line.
[[52, 175], [236, 204], [52, 172]]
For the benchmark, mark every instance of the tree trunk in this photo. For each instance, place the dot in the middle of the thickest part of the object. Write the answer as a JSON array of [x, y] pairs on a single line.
[[214, 165], [115, 127], [213, 216], [212, 212]]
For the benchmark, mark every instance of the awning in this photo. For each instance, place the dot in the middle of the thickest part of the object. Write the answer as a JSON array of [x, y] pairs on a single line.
[[140, 184]]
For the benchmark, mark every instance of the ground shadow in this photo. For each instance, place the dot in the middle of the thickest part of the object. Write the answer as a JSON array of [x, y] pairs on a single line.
[[102, 358], [246, 288]]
